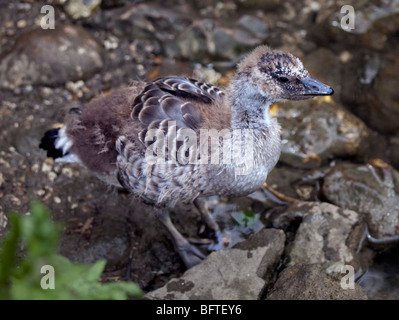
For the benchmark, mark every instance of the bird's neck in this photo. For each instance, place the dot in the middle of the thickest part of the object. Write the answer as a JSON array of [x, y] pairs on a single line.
[[250, 109]]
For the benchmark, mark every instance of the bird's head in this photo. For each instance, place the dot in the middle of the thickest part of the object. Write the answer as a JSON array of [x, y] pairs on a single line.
[[278, 75]]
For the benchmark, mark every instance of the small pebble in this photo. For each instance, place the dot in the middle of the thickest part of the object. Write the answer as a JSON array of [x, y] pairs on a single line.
[[40, 193], [21, 24], [345, 56], [45, 92], [74, 206], [46, 167], [52, 175], [15, 201], [67, 172]]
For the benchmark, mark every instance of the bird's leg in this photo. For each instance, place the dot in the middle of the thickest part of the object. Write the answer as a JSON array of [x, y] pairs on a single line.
[[189, 254], [210, 226]]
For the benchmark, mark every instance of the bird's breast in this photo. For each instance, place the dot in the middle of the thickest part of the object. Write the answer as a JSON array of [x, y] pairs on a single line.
[[255, 158]]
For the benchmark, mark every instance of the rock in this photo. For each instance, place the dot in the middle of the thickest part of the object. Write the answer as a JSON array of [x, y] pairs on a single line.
[[317, 130], [383, 112], [368, 93], [192, 44], [394, 151], [108, 241], [326, 234], [295, 182], [51, 57], [253, 25], [182, 37], [228, 43], [372, 189], [380, 280], [206, 38], [374, 25], [78, 9], [365, 89], [264, 4], [238, 273], [106, 4], [149, 22], [310, 282]]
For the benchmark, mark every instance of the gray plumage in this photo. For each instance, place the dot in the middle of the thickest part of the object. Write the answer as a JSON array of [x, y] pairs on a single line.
[[121, 136]]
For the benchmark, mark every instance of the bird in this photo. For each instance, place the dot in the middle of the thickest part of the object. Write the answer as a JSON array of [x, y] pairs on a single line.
[[178, 140]]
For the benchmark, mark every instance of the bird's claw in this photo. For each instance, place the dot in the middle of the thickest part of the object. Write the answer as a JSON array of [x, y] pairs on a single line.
[[190, 255]]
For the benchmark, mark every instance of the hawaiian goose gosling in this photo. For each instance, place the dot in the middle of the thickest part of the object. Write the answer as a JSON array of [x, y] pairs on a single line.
[[177, 139]]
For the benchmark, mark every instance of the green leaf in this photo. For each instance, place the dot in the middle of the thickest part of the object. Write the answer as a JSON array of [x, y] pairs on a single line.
[[29, 278], [246, 218], [39, 231]]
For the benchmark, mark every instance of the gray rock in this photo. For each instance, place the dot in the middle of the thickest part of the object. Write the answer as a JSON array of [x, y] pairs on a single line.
[[381, 280], [254, 25], [264, 4], [316, 130], [374, 23], [191, 44], [150, 22], [238, 273], [108, 241], [372, 189], [228, 43], [51, 57], [204, 39], [310, 282], [383, 113], [369, 94], [394, 151], [182, 37], [365, 89], [327, 234]]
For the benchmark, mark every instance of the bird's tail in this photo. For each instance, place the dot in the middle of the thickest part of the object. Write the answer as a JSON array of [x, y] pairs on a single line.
[[57, 144]]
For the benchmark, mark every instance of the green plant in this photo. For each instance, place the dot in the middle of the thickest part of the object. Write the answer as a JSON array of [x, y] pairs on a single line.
[[38, 272], [246, 218]]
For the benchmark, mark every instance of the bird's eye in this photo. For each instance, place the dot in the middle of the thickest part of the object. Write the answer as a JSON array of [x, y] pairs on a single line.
[[283, 79]]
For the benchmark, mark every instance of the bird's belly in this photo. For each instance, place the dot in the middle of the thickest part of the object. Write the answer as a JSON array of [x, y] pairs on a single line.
[[233, 185]]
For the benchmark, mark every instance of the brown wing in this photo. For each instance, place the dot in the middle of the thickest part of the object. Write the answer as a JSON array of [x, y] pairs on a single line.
[[168, 105], [174, 98]]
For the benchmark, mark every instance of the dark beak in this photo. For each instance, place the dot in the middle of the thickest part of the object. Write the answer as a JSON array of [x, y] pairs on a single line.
[[314, 87]]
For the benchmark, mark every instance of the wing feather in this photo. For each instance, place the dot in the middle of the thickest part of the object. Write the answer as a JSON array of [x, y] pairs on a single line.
[[173, 99]]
